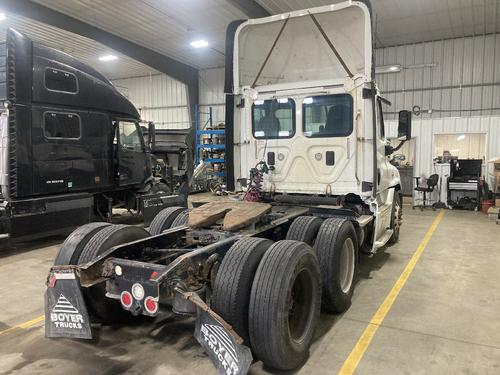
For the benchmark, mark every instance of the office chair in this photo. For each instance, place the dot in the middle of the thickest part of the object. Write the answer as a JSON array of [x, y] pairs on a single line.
[[432, 182]]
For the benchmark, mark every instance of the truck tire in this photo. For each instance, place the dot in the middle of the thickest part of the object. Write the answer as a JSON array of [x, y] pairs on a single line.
[[107, 310], [72, 247], [396, 216], [233, 283], [164, 219], [304, 229], [337, 251], [181, 219], [285, 304]]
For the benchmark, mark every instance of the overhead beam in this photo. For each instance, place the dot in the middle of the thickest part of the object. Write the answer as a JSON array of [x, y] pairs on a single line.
[[251, 8], [164, 64]]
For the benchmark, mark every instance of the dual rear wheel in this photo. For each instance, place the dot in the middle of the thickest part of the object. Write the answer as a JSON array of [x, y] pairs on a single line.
[[272, 293]]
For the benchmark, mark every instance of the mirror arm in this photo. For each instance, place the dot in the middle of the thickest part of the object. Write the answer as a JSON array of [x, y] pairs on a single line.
[[390, 150]]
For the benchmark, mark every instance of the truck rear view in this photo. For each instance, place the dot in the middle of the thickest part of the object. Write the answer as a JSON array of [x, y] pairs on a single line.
[[305, 127]]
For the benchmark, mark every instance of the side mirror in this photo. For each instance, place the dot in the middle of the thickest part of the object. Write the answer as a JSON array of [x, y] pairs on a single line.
[[404, 126], [151, 135]]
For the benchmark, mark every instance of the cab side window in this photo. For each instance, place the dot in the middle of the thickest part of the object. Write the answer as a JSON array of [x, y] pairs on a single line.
[[58, 125], [129, 136], [61, 81]]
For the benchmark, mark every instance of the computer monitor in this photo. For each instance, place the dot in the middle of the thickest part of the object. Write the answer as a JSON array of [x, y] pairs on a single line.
[[465, 167]]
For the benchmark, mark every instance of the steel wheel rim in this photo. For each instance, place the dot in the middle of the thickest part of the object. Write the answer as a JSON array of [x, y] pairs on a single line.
[[300, 306], [347, 259]]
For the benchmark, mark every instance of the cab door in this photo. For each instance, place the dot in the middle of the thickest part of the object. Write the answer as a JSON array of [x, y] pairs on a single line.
[[131, 152]]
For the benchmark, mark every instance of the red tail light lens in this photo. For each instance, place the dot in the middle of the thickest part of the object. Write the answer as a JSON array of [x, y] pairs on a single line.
[[151, 305], [126, 299], [52, 281]]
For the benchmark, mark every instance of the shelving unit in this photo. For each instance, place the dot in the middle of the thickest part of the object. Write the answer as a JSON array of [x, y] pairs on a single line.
[[206, 135]]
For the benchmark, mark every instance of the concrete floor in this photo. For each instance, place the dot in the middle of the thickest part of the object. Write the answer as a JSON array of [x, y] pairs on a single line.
[[446, 320]]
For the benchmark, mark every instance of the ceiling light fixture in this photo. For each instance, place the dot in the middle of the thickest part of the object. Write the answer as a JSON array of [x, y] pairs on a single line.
[[199, 43], [2, 16], [388, 69], [107, 58], [461, 137]]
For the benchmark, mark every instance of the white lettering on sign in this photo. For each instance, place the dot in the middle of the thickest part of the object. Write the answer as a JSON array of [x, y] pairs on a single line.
[[220, 343], [65, 315]]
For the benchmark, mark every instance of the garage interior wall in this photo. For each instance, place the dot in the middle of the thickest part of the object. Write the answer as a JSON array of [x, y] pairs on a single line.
[[158, 98], [423, 131], [211, 86], [454, 77]]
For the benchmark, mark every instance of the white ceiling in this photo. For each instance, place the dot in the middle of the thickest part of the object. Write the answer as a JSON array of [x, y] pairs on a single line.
[[84, 49], [167, 26]]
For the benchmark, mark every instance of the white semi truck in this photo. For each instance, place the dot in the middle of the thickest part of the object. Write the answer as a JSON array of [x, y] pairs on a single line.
[[306, 142]]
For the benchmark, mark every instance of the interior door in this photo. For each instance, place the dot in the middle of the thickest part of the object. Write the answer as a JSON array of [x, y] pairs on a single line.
[[131, 153]]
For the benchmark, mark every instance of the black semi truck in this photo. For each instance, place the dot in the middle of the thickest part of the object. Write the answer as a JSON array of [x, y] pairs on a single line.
[[71, 145]]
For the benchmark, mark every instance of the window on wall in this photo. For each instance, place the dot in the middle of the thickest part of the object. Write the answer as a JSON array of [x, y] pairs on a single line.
[[328, 116], [461, 145], [273, 119], [59, 80], [129, 136], [61, 125]]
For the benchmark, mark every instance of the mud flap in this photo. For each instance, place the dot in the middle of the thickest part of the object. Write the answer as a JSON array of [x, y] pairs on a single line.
[[65, 311], [228, 356]]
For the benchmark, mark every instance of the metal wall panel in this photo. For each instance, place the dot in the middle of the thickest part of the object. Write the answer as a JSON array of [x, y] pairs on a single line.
[[158, 98], [464, 81], [211, 88]]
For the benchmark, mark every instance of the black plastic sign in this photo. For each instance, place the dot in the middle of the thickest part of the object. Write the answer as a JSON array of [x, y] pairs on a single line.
[[229, 357], [65, 311]]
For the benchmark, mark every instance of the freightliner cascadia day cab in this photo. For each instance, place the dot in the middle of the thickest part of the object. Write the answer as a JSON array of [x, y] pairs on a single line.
[[306, 143], [71, 144]]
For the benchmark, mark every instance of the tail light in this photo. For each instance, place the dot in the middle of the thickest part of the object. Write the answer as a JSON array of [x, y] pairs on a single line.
[[126, 299], [151, 305], [52, 281]]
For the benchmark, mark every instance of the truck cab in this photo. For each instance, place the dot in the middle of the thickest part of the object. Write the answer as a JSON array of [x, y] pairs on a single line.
[[72, 148], [302, 99]]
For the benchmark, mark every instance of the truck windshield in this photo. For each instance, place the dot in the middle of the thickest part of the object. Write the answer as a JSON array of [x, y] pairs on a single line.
[[327, 115], [273, 119]]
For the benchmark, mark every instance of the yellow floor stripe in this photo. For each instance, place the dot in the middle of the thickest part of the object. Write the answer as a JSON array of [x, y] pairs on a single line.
[[359, 350], [25, 325]]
